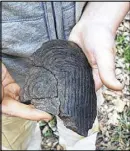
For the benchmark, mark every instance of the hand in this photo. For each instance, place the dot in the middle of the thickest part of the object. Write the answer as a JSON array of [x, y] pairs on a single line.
[[10, 100], [95, 33], [97, 42]]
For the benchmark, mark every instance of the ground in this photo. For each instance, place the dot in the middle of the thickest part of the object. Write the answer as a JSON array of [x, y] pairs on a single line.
[[114, 114]]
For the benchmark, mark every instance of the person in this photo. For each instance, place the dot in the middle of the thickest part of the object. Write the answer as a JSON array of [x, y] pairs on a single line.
[[26, 25]]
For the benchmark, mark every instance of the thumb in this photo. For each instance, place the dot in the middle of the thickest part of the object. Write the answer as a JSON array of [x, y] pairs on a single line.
[[15, 108], [106, 66]]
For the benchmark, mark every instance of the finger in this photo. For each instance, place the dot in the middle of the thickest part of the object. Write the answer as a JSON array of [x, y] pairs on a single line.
[[4, 71], [97, 80], [6, 77], [106, 65], [15, 108], [12, 90]]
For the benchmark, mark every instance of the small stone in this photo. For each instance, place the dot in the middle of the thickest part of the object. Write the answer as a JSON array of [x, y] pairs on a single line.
[[126, 34], [128, 103], [114, 118], [118, 71], [106, 140], [49, 144], [48, 140], [43, 143], [127, 17], [104, 129], [120, 77], [126, 91], [107, 134], [127, 81], [125, 100], [54, 144], [108, 127], [120, 105], [127, 24], [109, 115], [117, 65], [109, 93], [105, 107], [112, 127], [121, 63], [108, 97], [59, 147], [110, 109], [121, 28], [120, 51]]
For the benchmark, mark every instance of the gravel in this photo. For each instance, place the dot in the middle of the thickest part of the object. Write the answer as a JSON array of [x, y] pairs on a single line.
[[113, 117]]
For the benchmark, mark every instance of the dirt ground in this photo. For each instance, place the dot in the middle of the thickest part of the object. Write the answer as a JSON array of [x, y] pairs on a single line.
[[114, 114]]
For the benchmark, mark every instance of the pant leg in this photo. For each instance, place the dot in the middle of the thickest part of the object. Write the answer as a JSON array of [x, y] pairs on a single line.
[[16, 132]]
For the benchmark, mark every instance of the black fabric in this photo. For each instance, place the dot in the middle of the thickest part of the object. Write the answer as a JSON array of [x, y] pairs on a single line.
[[60, 82]]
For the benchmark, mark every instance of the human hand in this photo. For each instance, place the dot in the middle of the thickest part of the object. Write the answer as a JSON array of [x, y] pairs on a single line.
[[95, 33], [97, 42], [10, 101]]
